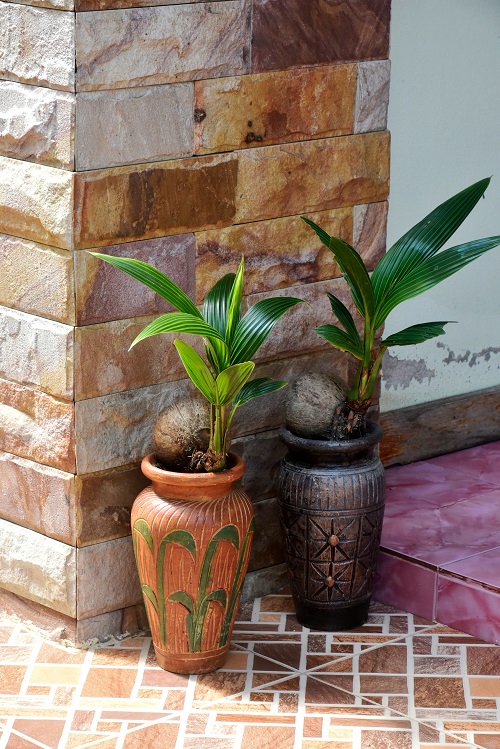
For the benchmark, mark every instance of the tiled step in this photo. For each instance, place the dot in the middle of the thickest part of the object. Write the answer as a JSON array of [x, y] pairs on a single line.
[[440, 555]]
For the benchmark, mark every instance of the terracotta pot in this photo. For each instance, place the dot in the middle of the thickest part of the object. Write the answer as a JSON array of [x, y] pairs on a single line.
[[192, 535], [332, 497]]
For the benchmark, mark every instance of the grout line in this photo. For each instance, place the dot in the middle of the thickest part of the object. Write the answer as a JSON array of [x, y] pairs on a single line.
[[188, 702], [76, 696], [140, 668], [301, 708]]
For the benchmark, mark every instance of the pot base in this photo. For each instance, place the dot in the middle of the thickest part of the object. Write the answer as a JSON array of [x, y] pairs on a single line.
[[329, 618], [192, 663]]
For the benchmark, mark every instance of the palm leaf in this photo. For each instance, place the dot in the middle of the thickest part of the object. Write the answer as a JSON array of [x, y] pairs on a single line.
[[215, 312], [340, 339], [416, 334], [253, 329], [231, 380], [255, 388], [424, 240], [178, 322], [234, 310], [198, 372], [153, 279], [345, 318], [434, 270]]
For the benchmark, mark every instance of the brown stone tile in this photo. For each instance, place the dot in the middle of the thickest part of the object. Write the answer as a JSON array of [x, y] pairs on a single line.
[[483, 660], [386, 739], [175, 699], [353, 169], [486, 704], [381, 684], [288, 703], [196, 723], [82, 720], [37, 497], [52, 654], [12, 678], [38, 690], [156, 677], [446, 692], [299, 34], [436, 665], [286, 654], [313, 727], [488, 740], [116, 657], [19, 742], [283, 604], [236, 662], [278, 253], [273, 682], [109, 682], [104, 501], [267, 737], [104, 293], [330, 663], [291, 105], [323, 690], [37, 426], [217, 685], [28, 270], [389, 659], [369, 233], [138, 202]]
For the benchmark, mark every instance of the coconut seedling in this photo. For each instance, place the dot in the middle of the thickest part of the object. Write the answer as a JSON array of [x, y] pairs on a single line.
[[410, 267], [231, 339]]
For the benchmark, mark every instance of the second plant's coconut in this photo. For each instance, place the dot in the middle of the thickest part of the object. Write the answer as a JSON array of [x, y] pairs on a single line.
[[181, 430], [311, 404]]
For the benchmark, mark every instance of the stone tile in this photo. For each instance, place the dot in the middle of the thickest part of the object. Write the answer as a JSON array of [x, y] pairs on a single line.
[[38, 46], [50, 623], [38, 497], [38, 568], [372, 96], [170, 197], [104, 364], [55, 4], [354, 169], [116, 429], [109, 682], [290, 105], [104, 293], [399, 582], [469, 607], [36, 352], [36, 202], [36, 124], [104, 501], [370, 231], [295, 33], [128, 621], [294, 333], [262, 454], [151, 46], [102, 142], [267, 547], [278, 253], [37, 426], [107, 578], [268, 412], [36, 279], [265, 581], [114, 4]]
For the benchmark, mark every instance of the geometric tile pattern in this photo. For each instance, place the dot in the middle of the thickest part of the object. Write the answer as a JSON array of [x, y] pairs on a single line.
[[440, 548], [397, 682]]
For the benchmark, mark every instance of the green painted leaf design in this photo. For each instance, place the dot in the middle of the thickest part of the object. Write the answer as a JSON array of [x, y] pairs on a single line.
[[237, 585], [142, 528], [219, 596], [149, 592], [228, 533], [182, 597]]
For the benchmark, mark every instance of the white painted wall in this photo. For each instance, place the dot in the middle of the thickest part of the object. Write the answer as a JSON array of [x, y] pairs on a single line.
[[444, 114]]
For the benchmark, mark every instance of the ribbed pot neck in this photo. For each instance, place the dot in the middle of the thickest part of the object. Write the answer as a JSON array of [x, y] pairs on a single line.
[[194, 486], [332, 451]]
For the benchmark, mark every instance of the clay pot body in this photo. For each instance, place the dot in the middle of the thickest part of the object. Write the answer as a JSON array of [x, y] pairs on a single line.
[[192, 535], [332, 497]]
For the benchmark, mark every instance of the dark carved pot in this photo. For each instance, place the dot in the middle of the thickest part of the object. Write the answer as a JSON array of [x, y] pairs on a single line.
[[332, 497]]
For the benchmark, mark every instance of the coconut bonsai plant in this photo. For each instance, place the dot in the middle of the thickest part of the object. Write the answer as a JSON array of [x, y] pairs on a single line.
[[192, 529], [331, 484]]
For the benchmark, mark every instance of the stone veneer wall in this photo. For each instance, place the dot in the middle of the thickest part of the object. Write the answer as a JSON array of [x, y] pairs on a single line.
[[183, 135]]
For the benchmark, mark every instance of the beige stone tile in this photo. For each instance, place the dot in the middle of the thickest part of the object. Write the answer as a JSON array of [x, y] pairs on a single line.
[[281, 107], [38, 497], [278, 253], [38, 46], [55, 4], [113, 4], [36, 279], [36, 202], [107, 578], [140, 202], [369, 231], [372, 95], [151, 46], [100, 143], [104, 293], [37, 124], [37, 426], [284, 180], [36, 352], [104, 364], [60, 674], [49, 623], [38, 568]]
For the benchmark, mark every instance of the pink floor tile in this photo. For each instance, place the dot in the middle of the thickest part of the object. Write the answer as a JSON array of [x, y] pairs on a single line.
[[405, 585], [483, 568], [468, 608], [481, 462], [439, 535]]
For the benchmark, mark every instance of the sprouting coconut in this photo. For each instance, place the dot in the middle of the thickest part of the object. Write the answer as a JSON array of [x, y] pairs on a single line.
[[311, 404], [181, 432]]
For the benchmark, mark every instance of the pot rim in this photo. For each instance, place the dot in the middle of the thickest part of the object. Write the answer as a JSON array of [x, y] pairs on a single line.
[[324, 449], [176, 483]]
